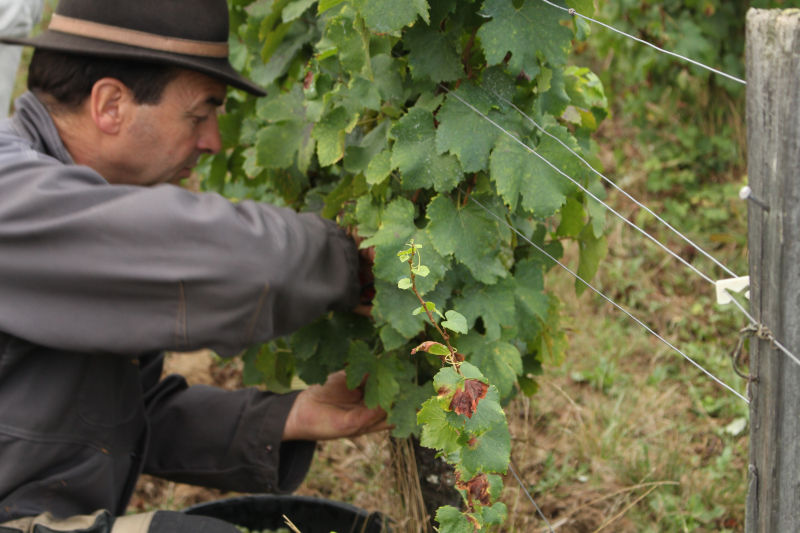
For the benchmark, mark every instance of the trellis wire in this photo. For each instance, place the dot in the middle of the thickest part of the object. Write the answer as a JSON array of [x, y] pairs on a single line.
[[609, 300], [581, 187], [513, 469], [614, 185], [574, 13], [611, 209]]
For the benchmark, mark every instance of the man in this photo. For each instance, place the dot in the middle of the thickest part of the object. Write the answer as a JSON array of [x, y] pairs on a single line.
[[103, 266], [17, 18]]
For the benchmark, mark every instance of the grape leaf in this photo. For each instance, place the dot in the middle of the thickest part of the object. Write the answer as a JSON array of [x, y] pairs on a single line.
[[451, 520], [403, 415], [455, 322], [532, 303], [532, 30], [396, 226], [350, 43], [277, 144], [414, 154], [393, 306], [359, 156], [437, 432], [496, 514], [469, 234], [592, 251], [463, 132], [571, 219], [321, 348], [466, 398], [493, 303], [489, 452], [499, 361], [379, 168], [386, 16], [432, 55], [330, 134], [518, 172], [294, 9], [383, 373], [488, 414], [395, 230]]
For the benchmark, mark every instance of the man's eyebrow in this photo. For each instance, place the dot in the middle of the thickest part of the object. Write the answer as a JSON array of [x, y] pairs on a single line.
[[213, 100]]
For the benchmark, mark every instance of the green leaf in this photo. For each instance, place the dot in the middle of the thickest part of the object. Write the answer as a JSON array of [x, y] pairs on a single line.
[[295, 9], [384, 375], [414, 154], [451, 520], [432, 55], [359, 156], [403, 415], [330, 135], [393, 306], [499, 361], [321, 348], [386, 16], [489, 452], [404, 284], [518, 172], [532, 303], [379, 168], [396, 227], [493, 303], [531, 31], [592, 251], [421, 271], [277, 144], [464, 133], [496, 514], [437, 432], [572, 216], [469, 234], [455, 322], [350, 44], [271, 365], [325, 5]]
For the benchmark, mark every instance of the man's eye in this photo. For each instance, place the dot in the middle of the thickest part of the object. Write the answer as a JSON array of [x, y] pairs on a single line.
[[199, 119]]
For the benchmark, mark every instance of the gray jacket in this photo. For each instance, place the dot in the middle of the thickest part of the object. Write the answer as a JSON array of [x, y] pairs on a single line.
[[95, 281]]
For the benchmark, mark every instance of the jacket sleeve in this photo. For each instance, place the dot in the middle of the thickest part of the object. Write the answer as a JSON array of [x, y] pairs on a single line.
[[230, 440], [94, 267]]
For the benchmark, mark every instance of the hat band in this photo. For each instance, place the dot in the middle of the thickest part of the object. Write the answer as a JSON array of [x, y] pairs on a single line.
[[115, 34]]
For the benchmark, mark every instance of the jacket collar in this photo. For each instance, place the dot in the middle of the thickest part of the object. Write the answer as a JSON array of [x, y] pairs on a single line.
[[33, 122]]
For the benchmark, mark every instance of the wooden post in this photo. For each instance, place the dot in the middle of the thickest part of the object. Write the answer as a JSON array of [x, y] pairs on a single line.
[[773, 138]]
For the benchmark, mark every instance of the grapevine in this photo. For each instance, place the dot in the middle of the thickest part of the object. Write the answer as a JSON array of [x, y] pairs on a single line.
[[361, 124]]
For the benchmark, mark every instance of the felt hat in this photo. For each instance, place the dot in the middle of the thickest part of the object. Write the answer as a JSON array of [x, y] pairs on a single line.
[[191, 34]]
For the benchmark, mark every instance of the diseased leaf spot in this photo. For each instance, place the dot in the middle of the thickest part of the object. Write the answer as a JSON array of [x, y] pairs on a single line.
[[465, 401]]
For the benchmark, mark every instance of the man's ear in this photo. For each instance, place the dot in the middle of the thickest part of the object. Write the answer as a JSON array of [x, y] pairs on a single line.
[[109, 103]]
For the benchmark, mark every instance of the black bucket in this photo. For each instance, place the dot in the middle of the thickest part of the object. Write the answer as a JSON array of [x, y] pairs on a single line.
[[310, 515]]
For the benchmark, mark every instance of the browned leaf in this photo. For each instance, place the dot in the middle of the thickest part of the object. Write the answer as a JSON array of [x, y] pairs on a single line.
[[432, 347], [477, 489], [465, 401]]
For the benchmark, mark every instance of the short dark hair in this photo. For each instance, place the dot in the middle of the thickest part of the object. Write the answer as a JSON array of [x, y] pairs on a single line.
[[69, 78]]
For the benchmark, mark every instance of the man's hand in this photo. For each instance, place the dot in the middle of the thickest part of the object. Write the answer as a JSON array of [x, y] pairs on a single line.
[[332, 411]]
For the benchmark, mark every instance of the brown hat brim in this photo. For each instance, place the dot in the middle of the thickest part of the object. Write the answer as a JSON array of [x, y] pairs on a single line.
[[219, 68]]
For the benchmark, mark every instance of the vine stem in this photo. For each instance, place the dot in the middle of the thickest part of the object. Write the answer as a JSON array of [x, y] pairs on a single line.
[[452, 358]]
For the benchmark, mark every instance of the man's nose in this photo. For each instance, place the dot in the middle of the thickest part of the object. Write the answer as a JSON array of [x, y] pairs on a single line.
[[210, 141]]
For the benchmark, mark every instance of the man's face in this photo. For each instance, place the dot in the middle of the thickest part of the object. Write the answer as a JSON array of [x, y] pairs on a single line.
[[166, 139]]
